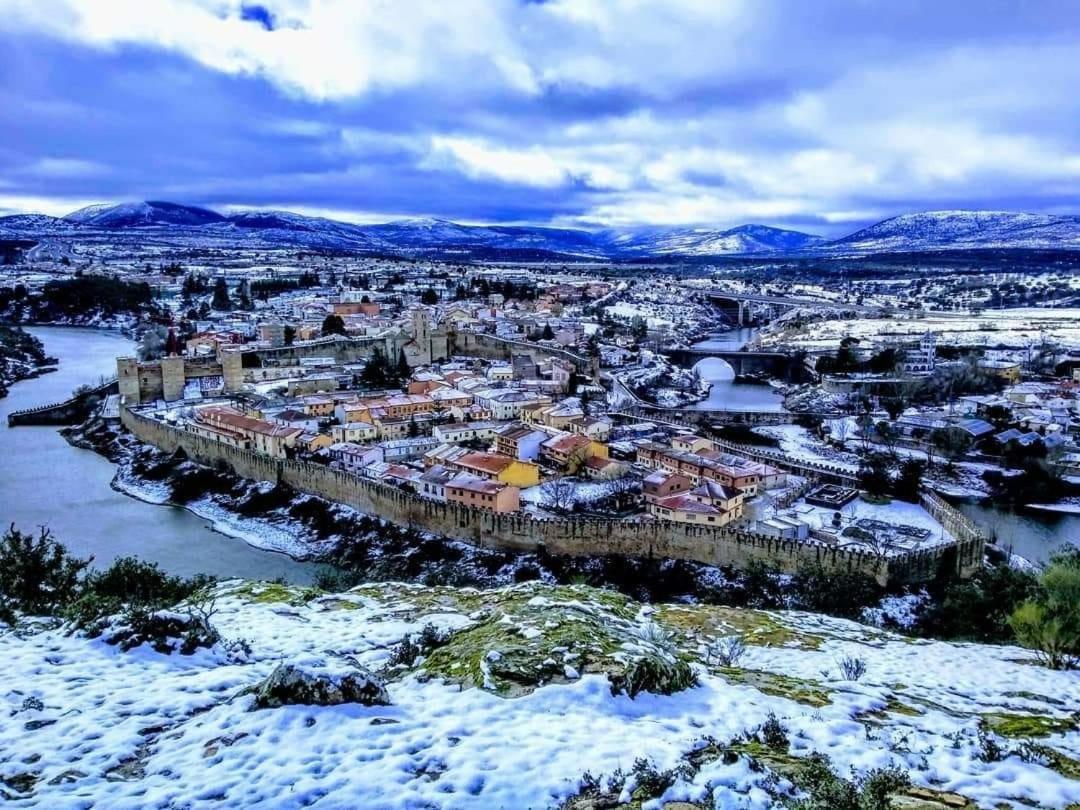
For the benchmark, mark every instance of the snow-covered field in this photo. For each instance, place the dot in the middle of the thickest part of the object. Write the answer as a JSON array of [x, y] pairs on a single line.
[[86, 725], [1013, 327]]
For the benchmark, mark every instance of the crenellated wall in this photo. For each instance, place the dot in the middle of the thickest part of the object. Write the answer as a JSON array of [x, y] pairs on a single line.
[[569, 536]]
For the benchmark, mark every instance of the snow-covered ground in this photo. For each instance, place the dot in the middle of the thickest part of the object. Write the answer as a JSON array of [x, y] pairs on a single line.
[[1014, 327], [87, 725]]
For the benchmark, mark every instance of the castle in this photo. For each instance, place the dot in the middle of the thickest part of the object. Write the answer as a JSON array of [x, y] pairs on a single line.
[[177, 377]]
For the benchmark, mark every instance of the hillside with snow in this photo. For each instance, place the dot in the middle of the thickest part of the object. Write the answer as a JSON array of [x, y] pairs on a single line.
[[437, 238], [741, 241], [958, 230], [531, 696]]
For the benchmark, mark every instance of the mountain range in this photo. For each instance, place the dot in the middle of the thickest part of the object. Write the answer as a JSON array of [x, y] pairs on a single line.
[[919, 232]]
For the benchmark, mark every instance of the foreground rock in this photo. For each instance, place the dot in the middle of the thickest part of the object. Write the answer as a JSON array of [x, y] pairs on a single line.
[[318, 682]]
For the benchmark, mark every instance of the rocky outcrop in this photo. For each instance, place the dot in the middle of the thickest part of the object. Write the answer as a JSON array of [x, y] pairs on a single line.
[[320, 682]]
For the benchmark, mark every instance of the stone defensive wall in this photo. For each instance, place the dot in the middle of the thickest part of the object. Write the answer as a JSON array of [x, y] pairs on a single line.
[[69, 412], [492, 347], [575, 537]]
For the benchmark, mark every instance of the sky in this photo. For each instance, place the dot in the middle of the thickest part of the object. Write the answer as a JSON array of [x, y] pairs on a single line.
[[821, 116]]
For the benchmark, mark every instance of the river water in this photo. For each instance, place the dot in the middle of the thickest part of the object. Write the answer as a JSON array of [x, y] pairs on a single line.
[[726, 394], [1034, 534], [44, 481]]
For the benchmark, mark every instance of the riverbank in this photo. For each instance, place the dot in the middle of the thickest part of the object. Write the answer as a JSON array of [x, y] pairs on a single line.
[[46, 481], [22, 357]]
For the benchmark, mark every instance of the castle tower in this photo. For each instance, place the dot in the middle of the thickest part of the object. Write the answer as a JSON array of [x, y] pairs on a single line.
[[421, 337], [232, 371], [172, 378], [928, 347], [127, 371]]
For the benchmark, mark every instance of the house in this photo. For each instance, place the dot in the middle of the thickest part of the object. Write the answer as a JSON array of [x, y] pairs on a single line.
[[660, 484], [520, 441], [314, 442], [432, 482], [592, 427], [709, 503], [224, 423], [1006, 370], [354, 432], [457, 432], [408, 448], [571, 450], [355, 457], [684, 509], [603, 469], [724, 498], [690, 443], [471, 490]]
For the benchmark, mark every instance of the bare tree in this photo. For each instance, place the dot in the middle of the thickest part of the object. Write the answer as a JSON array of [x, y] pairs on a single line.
[[559, 493]]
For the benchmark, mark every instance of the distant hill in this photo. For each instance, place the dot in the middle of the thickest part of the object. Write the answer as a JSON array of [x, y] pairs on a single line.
[[958, 230], [743, 240], [438, 238], [141, 214]]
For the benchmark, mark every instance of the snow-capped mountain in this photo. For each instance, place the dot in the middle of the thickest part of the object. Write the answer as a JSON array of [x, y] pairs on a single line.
[[172, 222], [743, 240], [958, 230], [139, 214]]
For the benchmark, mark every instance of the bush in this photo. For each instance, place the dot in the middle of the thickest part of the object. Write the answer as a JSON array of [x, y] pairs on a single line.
[[409, 651], [978, 609], [1049, 623], [649, 781], [851, 667], [130, 584], [842, 594], [773, 734], [37, 575], [728, 651], [654, 674], [827, 791]]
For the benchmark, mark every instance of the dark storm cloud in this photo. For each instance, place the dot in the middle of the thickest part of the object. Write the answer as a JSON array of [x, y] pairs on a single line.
[[821, 115]]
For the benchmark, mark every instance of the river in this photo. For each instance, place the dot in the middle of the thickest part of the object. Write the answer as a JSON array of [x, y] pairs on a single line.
[[1034, 534], [46, 481], [726, 394]]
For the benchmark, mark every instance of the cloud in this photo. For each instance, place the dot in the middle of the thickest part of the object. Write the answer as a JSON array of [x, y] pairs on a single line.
[[589, 112]]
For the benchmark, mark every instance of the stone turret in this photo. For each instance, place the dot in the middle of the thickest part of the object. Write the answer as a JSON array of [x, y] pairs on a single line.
[[232, 371], [172, 378], [127, 371]]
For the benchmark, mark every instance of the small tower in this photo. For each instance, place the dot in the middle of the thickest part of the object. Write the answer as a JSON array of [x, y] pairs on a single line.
[[928, 346]]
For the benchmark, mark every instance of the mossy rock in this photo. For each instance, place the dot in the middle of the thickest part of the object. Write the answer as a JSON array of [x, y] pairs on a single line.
[[1028, 726], [313, 681], [531, 636]]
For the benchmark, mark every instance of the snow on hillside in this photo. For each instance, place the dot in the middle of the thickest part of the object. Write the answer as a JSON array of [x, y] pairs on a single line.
[[137, 214], [746, 239], [516, 705], [933, 230]]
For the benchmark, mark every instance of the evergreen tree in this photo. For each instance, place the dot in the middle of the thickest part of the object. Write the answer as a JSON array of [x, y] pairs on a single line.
[[290, 335], [221, 301], [547, 334], [403, 370], [429, 297], [333, 324], [244, 296]]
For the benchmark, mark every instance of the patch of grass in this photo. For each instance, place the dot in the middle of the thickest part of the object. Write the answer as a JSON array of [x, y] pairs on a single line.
[[752, 626], [1028, 726], [775, 684], [264, 593]]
